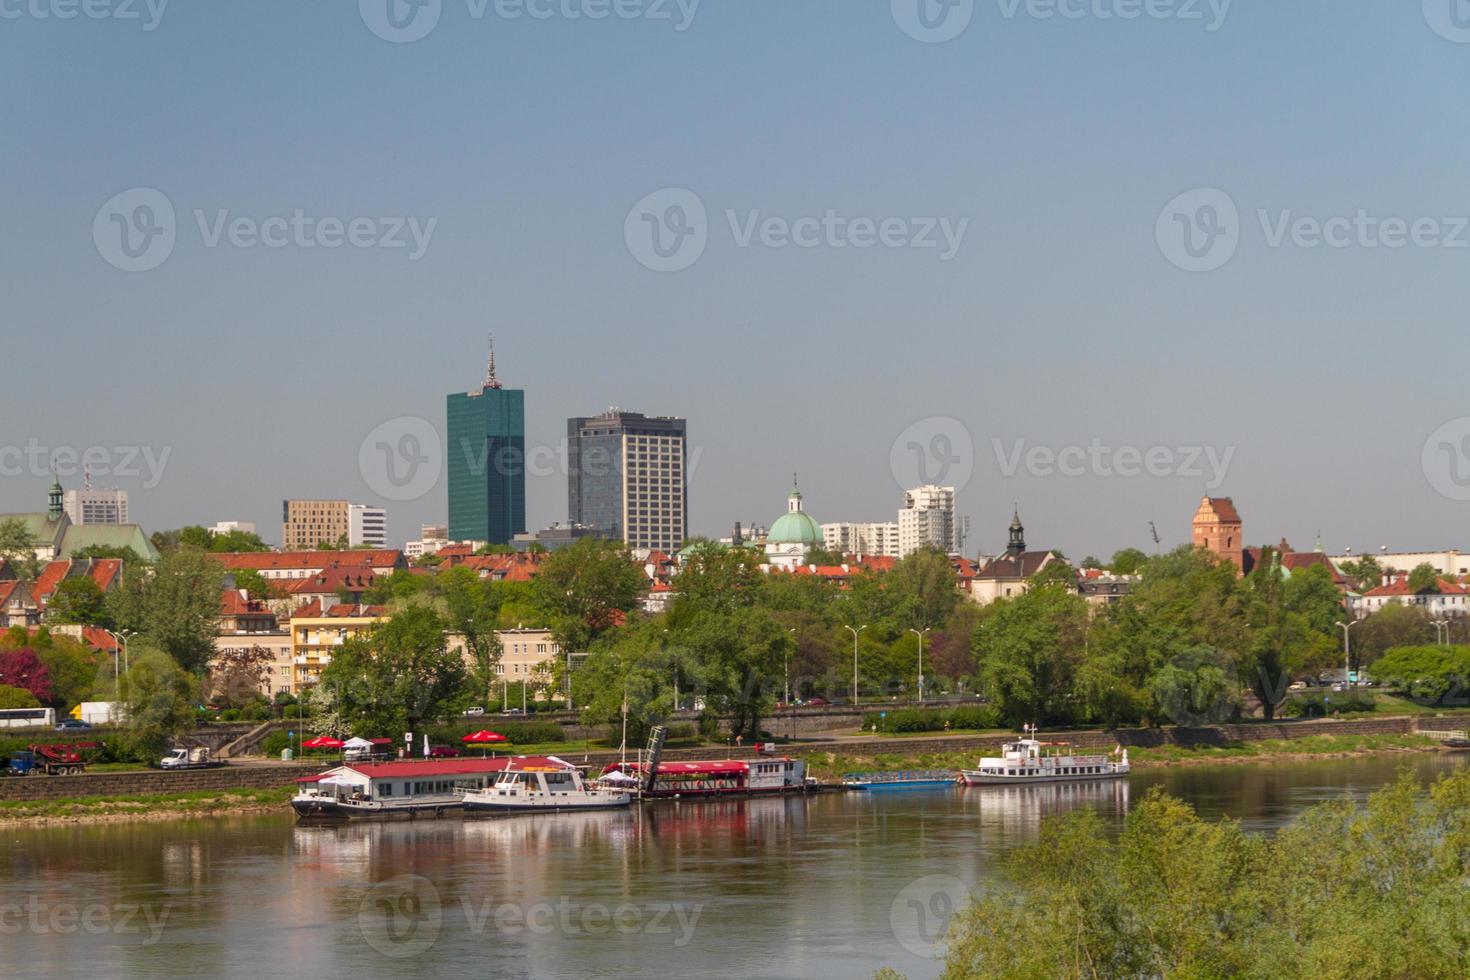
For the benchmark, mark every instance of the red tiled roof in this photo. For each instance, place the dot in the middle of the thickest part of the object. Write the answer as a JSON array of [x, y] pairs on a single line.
[[466, 766], [98, 639], [1399, 586], [105, 572], [353, 578], [283, 560], [6, 588], [1224, 509], [50, 577]]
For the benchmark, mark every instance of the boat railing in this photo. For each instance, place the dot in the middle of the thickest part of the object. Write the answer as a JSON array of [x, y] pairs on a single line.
[[905, 776]]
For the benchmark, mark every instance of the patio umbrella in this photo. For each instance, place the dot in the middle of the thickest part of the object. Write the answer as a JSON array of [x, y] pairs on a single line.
[[322, 742], [484, 738]]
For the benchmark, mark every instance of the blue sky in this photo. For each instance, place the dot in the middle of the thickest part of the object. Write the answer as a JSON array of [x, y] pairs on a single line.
[[1060, 321]]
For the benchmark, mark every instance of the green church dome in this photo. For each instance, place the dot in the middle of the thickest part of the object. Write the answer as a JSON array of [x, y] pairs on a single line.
[[795, 528]]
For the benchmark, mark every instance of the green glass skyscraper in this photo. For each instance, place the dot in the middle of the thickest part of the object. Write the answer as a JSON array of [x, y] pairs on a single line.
[[486, 462]]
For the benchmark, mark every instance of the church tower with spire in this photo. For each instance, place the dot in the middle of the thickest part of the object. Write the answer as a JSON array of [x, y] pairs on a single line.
[[1016, 545]]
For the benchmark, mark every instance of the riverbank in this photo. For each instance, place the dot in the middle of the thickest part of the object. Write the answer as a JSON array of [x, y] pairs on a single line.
[[150, 806], [830, 766]]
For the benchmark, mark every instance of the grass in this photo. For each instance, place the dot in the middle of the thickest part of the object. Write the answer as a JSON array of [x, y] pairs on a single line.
[[197, 801], [1311, 745]]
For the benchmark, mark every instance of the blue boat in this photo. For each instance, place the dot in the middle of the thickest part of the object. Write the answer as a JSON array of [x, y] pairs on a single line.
[[878, 782]]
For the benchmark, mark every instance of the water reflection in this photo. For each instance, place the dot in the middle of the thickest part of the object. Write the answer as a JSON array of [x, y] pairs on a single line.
[[790, 887]]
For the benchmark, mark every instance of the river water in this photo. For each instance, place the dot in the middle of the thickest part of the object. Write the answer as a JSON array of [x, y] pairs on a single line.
[[834, 885]]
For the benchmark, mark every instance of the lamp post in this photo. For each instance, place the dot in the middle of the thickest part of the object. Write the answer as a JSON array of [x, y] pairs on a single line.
[[1347, 651], [920, 635], [1443, 639], [786, 669], [117, 645], [855, 633]]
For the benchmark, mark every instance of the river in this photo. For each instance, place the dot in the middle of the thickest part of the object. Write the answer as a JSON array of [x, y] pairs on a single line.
[[834, 885]]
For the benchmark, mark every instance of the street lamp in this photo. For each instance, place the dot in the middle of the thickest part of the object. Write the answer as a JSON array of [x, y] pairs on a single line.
[[1347, 651], [1439, 624], [920, 635], [786, 669], [855, 633], [117, 645]]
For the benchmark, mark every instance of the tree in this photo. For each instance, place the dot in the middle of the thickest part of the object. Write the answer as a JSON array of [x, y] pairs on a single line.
[[1198, 687], [398, 676], [18, 549], [1128, 561], [236, 541], [1311, 593], [1424, 579], [1278, 642], [586, 587], [821, 556], [1029, 648], [158, 700], [78, 601], [256, 585], [714, 578], [16, 697], [636, 671], [1394, 625], [736, 664], [1432, 675], [24, 669], [472, 610], [104, 551], [174, 606], [1363, 574], [237, 674], [924, 589], [77, 671]]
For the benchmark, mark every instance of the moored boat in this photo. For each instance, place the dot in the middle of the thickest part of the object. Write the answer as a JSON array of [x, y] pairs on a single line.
[[1027, 760], [536, 785], [394, 789], [729, 777], [880, 782]]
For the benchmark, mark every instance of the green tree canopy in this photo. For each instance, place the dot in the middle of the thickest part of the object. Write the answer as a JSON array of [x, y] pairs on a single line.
[[78, 601], [174, 606], [584, 588], [1424, 578], [1128, 561], [158, 700], [18, 549], [16, 697], [398, 676]]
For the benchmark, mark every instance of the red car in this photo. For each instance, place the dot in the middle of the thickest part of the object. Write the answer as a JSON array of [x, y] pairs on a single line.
[[443, 752]]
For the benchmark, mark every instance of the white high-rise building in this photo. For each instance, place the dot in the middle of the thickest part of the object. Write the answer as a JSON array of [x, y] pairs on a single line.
[[96, 506], [928, 520], [879, 538], [225, 527], [367, 526]]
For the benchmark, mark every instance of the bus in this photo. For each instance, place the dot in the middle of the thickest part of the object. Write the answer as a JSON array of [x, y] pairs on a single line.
[[27, 717]]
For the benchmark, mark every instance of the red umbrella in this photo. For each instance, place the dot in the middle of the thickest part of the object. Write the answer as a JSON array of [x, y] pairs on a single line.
[[483, 737], [322, 742]]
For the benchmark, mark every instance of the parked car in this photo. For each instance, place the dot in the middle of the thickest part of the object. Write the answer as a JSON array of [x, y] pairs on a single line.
[[473, 712], [443, 752], [73, 725], [512, 711]]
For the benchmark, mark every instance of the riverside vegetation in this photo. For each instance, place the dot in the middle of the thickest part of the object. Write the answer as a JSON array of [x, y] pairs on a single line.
[[1344, 891]]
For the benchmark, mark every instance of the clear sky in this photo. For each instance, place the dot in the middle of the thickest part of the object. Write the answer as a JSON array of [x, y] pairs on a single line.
[[1062, 319]]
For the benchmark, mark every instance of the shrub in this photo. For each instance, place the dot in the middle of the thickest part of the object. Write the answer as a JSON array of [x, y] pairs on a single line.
[[905, 720], [1323, 705], [274, 743]]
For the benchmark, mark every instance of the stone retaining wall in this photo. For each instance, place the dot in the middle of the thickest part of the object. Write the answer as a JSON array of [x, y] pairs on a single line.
[[151, 781]]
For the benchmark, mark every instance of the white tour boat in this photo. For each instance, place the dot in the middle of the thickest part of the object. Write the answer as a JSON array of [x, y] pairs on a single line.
[[530, 785], [1027, 761]]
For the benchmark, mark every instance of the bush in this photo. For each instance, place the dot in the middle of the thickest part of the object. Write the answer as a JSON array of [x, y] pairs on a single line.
[[1323, 705], [274, 743], [906, 720], [682, 731]]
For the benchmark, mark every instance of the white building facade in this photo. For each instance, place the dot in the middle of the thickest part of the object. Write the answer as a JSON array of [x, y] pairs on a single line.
[[879, 538], [367, 526], [928, 520], [96, 506]]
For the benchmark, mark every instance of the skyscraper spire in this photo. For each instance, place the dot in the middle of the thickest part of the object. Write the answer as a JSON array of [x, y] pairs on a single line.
[[490, 380]]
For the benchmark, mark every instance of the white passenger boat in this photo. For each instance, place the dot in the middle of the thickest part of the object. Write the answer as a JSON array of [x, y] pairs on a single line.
[[544, 784], [1028, 760]]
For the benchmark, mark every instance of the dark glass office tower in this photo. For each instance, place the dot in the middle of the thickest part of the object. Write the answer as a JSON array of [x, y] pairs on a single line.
[[487, 462]]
